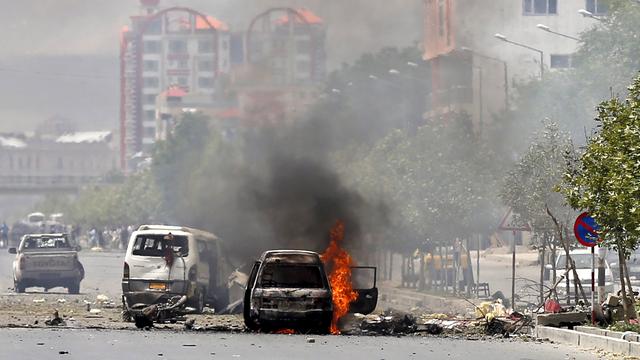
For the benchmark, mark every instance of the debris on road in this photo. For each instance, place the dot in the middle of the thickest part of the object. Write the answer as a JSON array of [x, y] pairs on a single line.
[[56, 320]]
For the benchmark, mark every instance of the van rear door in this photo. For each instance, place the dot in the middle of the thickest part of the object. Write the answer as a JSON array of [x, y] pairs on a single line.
[[155, 257], [364, 279]]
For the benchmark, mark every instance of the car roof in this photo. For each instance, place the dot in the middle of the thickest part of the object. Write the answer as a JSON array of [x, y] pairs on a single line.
[[45, 235], [176, 230], [291, 257]]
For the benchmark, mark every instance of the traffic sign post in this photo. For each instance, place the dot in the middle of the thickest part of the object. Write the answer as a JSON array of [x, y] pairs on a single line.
[[508, 223], [586, 231]]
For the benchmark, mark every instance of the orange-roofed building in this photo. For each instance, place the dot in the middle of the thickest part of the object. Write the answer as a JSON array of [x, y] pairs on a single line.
[[179, 49]]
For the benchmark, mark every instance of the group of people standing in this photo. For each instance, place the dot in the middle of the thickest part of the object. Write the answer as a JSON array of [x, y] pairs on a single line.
[[112, 238]]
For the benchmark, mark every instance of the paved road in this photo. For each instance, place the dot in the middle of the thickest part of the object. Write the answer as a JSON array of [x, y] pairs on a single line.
[[140, 345], [103, 272]]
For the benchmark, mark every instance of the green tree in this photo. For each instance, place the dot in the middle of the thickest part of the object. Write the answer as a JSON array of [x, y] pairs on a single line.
[[606, 179], [528, 189]]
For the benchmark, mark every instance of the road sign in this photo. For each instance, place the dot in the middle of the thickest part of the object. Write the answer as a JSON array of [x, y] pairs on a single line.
[[509, 223], [586, 230]]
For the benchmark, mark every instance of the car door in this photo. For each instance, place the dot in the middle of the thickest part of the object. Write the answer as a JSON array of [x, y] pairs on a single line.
[[364, 279], [246, 306]]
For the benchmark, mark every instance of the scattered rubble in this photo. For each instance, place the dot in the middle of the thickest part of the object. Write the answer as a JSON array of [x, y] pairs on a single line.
[[56, 320]]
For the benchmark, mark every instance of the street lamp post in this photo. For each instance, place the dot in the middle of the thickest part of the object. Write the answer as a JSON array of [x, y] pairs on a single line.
[[505, 39], [548, 29], [589, 14]]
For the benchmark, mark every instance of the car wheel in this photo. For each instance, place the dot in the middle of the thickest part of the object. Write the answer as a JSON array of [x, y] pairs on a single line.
[[19, 287], [74, 288]]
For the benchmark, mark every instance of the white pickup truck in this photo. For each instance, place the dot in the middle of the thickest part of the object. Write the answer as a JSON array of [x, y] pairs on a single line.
[[47, 260]]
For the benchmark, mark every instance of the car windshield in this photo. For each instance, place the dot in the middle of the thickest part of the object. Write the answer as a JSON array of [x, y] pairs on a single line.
[[157, 244], [583, 261], [291, 276], [46, 243]]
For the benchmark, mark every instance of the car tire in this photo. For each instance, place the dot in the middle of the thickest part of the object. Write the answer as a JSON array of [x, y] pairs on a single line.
[[19, 288], [74, 288]]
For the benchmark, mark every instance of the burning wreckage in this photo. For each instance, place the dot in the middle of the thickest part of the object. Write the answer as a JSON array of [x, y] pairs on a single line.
[[290, 289]]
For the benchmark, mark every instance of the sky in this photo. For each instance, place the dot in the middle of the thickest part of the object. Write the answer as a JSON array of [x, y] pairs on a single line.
[[60, 57]]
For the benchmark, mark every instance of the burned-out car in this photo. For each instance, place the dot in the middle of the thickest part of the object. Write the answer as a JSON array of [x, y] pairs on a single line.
[[290, 288], [47, 260]]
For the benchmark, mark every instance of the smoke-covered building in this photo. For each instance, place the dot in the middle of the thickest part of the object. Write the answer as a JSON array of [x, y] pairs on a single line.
[[162, 48], [474, 61], [67, 161], [284, 68]]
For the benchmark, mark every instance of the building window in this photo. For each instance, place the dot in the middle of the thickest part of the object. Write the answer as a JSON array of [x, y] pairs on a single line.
[[150, 65], [303, 46], [150, 82], [183, 81], [149, 99], [598, 7], [540, 7], [560, 61], [149, 132], [205, 46], [205, 82], [151, 47], [177, 46], [150, 115], [205, 65]]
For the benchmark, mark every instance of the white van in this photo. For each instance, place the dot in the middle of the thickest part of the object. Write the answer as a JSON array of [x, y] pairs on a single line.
[[167, 261]]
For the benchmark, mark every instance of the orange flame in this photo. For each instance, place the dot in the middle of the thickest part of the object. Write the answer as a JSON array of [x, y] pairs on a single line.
[[339, 275], [285, 332]]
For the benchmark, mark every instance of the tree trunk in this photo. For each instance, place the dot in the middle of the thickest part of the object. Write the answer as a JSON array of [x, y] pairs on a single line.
[[628, 280], [468, 270], [421, 285], [390, 265], [446, 269], [441, 270], [553, 259], [623, 289], [542, 253]]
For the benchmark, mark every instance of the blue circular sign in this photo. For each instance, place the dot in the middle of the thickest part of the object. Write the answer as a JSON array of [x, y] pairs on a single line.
[[586, 230]]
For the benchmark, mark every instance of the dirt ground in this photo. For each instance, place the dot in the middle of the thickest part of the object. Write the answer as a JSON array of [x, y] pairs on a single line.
[[32, 310]]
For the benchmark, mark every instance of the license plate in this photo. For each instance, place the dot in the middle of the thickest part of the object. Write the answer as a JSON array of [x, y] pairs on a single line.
[[157, 286]]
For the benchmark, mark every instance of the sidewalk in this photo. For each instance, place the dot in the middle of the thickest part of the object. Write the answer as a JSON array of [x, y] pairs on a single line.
[[593, 338], [406, 299]]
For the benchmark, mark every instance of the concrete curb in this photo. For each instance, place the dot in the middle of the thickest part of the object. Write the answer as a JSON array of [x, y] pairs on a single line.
[[588, 340]]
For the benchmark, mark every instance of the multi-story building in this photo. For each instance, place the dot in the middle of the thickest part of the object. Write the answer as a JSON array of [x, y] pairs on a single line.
[[49, 162], [285, 65], [473, 70], [162, 48]]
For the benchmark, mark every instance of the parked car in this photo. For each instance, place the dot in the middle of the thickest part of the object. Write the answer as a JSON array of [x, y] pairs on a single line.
[[47, 260], [163, 262], [582, 259], [290, 288]]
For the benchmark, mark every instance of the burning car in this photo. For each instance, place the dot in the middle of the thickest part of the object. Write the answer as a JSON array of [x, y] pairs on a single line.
[[290, 288]]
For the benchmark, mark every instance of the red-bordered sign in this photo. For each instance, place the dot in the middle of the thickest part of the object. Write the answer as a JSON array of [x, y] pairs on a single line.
[[586, 230]]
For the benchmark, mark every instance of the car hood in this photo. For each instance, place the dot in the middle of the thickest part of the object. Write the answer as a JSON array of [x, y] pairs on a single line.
[[292, 293]]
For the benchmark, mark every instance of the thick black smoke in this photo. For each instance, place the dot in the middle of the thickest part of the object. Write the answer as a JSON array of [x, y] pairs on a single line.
[[294, 195]]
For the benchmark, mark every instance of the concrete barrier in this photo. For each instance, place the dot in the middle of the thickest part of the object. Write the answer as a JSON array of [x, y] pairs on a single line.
[[563, 336], [589, 339], [633, 337]]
